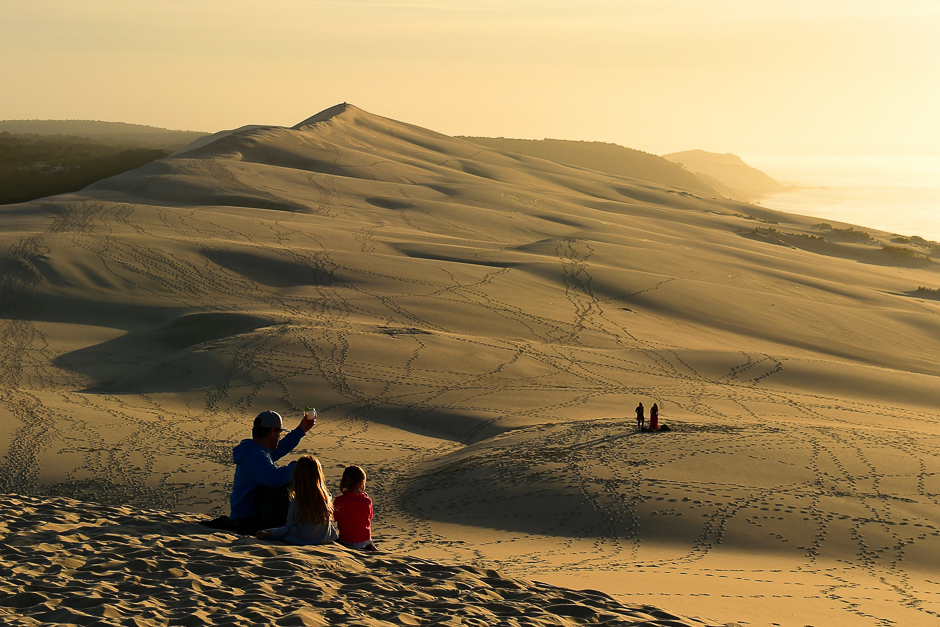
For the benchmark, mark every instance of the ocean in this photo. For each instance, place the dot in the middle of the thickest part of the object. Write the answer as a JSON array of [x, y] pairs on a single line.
[[895, 194]]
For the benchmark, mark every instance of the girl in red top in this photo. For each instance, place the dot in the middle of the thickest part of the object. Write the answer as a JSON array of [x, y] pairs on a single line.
[[352, 511]]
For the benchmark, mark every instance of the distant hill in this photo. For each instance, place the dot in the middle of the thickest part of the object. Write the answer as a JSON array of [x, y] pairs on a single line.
[[602, 157], [35, 166], [40, 158], [729, 174], [137, 135]]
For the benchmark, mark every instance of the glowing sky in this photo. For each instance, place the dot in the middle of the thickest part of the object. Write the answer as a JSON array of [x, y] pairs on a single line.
[[785, 76]]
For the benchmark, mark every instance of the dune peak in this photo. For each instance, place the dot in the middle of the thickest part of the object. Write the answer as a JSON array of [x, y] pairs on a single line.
[[326, 114]]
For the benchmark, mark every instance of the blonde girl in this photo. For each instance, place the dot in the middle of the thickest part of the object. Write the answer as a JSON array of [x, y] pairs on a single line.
[[310, 516]]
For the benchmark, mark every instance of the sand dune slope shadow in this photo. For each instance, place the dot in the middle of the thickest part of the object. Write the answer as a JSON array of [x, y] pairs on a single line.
[[860, 246], [272, 269], [70, 562], [188, 181], [176, 355], [703, 487]]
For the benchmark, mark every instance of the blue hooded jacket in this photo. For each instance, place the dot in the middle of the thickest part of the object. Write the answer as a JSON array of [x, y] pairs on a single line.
[[254, 466]]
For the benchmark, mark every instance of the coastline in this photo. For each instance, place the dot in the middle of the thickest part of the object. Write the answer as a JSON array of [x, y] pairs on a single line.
[[896, 194]]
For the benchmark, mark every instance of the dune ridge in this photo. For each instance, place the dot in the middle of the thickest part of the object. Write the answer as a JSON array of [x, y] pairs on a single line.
[[730, 175], [603, 157], [475, 328]]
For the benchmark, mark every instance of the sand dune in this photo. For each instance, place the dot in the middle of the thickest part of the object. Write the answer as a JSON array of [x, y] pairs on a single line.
[[603, 157], [75, 563], [475, 329], [729, 175]]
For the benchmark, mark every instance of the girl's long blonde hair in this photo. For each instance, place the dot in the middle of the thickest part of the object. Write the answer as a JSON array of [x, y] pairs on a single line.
[[308, 488]]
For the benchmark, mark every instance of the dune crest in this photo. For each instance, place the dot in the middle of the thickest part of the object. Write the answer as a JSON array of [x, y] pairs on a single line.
[[729, 174], [325, 115]]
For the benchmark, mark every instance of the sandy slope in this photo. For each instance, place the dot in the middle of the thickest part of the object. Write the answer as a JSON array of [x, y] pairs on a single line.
[[602, 157], [729, 175], [475, 329], [75, 563]]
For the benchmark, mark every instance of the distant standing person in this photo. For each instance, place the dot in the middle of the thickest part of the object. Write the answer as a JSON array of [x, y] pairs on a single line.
[[352, 511], [640, 418], [259, 482], [654, 417]]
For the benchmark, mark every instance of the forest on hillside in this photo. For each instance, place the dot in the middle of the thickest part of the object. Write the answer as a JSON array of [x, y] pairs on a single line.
[[36, 166]]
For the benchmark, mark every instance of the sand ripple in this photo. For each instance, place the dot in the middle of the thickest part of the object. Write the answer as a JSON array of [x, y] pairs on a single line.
[[66, 561]]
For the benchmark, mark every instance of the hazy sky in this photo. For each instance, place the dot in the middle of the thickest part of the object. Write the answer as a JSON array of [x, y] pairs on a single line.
[[744, 76]]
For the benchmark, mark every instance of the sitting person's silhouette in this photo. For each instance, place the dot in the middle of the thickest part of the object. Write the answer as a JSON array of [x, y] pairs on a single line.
[[260, 491]]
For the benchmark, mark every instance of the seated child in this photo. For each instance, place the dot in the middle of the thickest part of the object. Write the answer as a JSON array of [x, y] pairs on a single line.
[[311, 510], [353, 511]]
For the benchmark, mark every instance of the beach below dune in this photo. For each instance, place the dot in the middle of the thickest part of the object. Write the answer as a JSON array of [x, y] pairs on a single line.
[[895, 193]]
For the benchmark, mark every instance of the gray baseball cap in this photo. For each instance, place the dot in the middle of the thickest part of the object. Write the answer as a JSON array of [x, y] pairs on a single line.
[[268, 418]]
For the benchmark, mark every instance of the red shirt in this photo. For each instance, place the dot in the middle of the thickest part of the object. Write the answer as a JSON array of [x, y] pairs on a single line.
[[353, 514]]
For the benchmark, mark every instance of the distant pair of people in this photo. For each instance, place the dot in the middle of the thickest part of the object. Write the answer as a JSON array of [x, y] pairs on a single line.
[[292, 502], [641, 418]]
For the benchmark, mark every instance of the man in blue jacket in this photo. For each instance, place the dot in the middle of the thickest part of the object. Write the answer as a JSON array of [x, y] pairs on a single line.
[[259, 481]]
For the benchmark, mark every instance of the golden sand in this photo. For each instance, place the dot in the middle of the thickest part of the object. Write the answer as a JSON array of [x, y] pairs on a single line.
[[475, 329]]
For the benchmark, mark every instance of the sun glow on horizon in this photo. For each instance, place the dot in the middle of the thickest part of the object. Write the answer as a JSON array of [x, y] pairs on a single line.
[[732, 76]]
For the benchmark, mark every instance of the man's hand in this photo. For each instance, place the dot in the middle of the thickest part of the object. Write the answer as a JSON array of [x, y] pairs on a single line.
[[261, 535], [309, 420]]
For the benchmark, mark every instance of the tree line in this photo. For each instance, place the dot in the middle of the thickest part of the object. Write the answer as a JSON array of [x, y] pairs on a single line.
[[36, 166]]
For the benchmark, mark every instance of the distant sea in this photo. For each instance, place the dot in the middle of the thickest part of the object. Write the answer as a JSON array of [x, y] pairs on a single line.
[[895, 194]]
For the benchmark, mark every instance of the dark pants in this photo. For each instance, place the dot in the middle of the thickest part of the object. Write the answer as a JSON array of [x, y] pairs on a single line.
[[271, 506]]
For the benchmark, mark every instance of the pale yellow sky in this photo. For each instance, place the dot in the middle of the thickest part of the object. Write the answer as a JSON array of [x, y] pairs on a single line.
[[774, 76]]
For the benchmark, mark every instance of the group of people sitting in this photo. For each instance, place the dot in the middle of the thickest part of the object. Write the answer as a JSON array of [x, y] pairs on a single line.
[[292, 503]]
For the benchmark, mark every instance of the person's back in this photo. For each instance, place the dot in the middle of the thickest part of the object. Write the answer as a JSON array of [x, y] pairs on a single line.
[[654, 417], [353, 511], [254, 467], [304, 532], [259, 494], [640, 418], [311, 509]]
